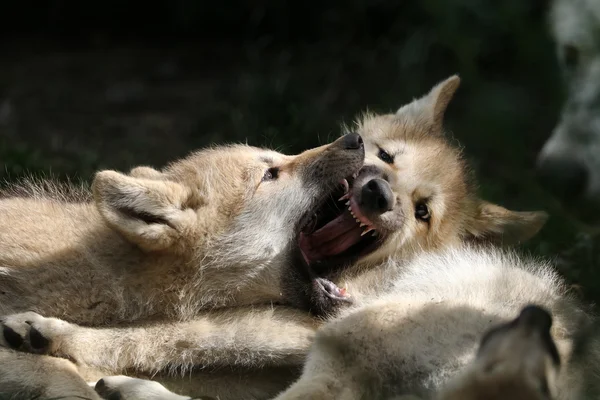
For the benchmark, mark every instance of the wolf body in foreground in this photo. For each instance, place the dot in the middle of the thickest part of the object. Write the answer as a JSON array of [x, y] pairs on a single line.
[[515, 360], [412, 198]]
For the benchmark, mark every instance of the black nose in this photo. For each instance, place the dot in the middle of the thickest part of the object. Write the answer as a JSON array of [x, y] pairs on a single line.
[[377, 196], [352, 141], [564, 177]]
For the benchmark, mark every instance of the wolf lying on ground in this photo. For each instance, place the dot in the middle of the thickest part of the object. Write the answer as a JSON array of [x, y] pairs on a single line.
[[413, 196], [569, 162], [215, 229]]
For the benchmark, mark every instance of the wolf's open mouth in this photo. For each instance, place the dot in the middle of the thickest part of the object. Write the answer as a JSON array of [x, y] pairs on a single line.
[[337, 233]]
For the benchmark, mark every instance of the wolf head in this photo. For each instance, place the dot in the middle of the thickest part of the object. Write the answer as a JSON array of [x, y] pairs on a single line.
[[516, 360], [569, 162], [229, 215], [414, 193]]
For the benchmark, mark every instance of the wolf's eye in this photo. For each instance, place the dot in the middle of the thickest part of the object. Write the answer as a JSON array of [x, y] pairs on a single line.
[[385, 157], [422, 212], [271, 174]]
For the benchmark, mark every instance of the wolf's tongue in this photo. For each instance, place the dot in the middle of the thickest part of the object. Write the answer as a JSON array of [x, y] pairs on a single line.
[[335, 237]]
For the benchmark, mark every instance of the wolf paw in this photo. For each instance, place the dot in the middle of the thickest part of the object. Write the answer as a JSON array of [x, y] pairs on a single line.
[[30, 332], [126, 388]]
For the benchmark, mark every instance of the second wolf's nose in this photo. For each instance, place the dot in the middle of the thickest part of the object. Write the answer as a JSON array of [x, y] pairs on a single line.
[[376, 196], [352, 141]]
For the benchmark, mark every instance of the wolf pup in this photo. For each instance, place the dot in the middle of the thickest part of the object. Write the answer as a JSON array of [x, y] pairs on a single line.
[[216, 229], [414, 195]]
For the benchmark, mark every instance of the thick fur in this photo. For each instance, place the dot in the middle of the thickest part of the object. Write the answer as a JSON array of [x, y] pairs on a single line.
[[215, 229], [425, 330], [516, 360], [206, 232], [426, 169], [421, 340], [569, 159]]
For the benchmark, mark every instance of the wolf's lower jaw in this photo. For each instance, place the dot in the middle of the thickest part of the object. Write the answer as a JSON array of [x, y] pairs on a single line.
[[332, 291]]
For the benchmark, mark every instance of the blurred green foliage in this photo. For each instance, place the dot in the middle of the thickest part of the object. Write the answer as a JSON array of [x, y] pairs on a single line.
[[111, 86]]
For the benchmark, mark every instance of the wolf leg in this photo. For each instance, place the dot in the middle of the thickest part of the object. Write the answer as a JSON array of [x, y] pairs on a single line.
[[31, 376], [244, 338], [126, 388]]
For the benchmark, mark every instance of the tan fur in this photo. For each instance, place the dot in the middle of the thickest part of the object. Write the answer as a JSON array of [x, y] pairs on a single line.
[[426, 168], [208, 231], [424, 331], [414, 324], [97, 262]]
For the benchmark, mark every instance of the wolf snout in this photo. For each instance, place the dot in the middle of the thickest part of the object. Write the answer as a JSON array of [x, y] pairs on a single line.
[[352, 141], [377, 196]]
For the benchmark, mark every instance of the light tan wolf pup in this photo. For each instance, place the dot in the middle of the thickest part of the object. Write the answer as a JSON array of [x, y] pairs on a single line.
[[413, 196], [215, 229]]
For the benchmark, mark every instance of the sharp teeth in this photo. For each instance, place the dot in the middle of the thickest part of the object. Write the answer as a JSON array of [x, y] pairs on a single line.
[[362, 224], [345, 197], [367, 230], [348, 203], [374, 233], [345, 184], [357, 220], [350, 209]]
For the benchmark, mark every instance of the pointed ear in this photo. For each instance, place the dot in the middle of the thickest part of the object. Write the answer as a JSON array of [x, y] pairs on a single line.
[[500, 226], [150, 213], [146, 172], [432, 106]]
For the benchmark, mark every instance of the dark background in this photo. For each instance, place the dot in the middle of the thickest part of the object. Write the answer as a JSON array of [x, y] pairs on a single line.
[[110, 84]]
